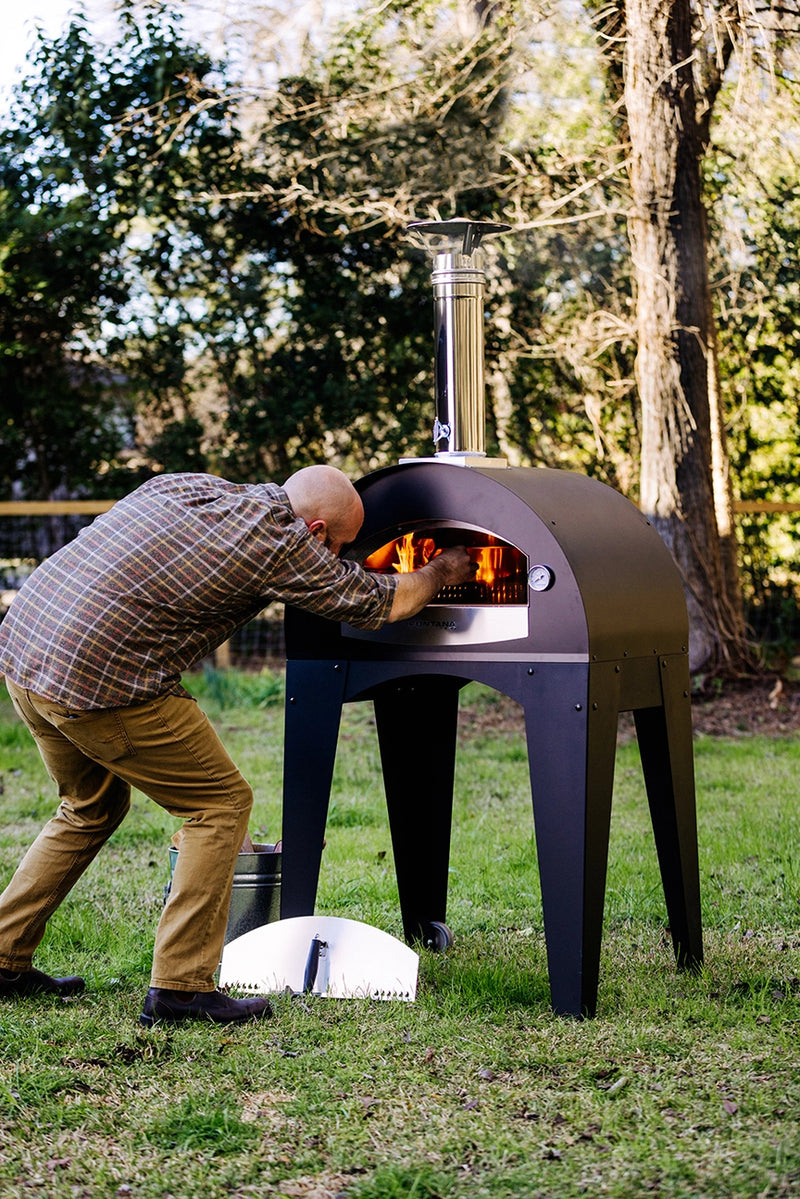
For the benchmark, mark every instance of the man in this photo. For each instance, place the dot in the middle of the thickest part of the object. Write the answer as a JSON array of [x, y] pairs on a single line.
[[93, 648]]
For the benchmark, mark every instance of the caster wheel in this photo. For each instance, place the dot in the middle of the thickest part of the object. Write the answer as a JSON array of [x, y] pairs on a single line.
[[436, 936]]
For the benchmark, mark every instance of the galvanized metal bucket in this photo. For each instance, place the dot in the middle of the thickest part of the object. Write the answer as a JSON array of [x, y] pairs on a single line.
[[256, 891]]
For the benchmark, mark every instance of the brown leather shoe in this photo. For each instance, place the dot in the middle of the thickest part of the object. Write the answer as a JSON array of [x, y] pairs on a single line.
[[215, 1006], [19, 983]]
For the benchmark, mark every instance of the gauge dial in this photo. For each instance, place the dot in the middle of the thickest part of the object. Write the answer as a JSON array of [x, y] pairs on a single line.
[[540, 578]]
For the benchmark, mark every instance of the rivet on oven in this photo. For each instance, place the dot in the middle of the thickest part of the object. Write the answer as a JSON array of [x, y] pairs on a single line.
[[579, 707], [531, 670], [594, 707]]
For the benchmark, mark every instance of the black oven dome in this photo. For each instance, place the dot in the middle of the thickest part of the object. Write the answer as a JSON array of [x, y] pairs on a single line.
[[611, 589]]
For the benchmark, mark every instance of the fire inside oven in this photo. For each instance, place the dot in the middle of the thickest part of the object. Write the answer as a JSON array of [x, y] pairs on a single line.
[[502, 569]]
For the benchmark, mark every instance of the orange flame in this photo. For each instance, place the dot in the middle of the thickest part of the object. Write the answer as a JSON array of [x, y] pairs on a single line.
[[500, 567], [490, 563], [411, 551]]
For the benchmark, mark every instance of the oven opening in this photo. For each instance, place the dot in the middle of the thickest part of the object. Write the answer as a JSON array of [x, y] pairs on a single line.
[[501, 576]]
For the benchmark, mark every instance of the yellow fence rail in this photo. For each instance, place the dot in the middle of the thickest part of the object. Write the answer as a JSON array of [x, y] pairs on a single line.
[[95, 507], [55, 507]]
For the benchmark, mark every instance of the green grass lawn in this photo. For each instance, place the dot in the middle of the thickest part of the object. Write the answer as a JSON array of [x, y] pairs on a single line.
[[682, 1086]]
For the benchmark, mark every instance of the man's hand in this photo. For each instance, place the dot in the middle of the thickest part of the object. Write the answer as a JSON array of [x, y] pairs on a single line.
[[415, 590], [458, 564]]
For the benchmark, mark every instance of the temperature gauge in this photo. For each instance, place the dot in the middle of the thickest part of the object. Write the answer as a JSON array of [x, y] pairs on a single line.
[[540, 578]]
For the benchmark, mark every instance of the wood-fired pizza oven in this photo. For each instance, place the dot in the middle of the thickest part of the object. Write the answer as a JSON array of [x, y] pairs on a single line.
[[577, 612]]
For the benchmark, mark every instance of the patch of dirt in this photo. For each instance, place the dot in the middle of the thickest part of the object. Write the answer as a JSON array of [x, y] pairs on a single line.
[[769, 706]]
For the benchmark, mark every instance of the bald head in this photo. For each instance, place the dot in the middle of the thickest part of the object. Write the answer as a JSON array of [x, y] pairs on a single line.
[[328, 502]]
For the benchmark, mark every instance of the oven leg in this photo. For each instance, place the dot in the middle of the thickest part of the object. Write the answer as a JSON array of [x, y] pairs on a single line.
[[417, 726], [571, 722], [665, 743], [314, 697]]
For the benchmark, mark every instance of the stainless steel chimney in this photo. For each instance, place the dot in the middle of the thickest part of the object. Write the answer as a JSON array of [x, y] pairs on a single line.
[[458, 292]]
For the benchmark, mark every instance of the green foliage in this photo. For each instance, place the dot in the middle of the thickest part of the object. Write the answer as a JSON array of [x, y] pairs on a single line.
[[754, 186], [93, 177], [760, 336], [254, 296], [412, 111], [229, 688]]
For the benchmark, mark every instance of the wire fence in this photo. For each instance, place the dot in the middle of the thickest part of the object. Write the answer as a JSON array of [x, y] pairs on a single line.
[[768, 534]]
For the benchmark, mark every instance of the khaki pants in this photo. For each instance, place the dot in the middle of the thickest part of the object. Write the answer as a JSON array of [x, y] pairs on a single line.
[[166, 748]]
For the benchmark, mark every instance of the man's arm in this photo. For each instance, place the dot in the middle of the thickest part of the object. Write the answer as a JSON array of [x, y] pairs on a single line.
[[417, 588]]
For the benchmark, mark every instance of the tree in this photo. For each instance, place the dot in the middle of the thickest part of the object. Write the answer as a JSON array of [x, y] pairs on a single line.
[[668, 62], [58, 412], [414, 111], [270, 272], [754, 181], [669, 247], [95, 167]]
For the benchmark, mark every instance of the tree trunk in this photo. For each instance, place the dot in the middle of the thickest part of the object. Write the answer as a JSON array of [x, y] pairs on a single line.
[[723, 502], [669, 245]]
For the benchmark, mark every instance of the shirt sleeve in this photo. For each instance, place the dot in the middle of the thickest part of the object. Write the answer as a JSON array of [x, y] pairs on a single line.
[[313, 578]]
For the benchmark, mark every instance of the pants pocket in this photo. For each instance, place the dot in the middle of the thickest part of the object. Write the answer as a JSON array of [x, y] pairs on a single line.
[[100, 735]]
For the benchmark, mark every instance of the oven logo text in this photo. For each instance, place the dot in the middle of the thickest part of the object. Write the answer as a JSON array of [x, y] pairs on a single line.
[[449, 625]]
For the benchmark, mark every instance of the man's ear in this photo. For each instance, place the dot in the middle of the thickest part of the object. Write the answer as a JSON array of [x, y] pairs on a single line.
[[318, 529]]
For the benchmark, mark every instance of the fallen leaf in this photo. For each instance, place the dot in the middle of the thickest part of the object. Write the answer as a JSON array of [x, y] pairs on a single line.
[[617, 1086], [730, 1106]]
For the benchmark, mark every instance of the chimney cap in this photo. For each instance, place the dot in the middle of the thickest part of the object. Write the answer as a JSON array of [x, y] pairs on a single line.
[[472, 233]]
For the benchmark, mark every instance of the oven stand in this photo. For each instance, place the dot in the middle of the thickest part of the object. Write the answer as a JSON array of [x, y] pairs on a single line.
[[571, 714]]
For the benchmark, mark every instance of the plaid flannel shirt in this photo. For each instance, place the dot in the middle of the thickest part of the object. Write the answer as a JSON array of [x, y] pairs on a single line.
[[161, 580]]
